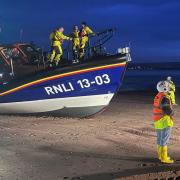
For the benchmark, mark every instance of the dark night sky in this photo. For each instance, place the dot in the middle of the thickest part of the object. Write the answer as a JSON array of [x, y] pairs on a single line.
[[152, 27]]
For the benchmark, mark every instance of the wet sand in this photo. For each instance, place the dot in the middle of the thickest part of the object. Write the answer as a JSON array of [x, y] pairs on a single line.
[[119, 142]]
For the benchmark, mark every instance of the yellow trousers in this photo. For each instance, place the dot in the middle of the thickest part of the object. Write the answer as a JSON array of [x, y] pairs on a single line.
[[76, 44], [56, 54], [83, 43]]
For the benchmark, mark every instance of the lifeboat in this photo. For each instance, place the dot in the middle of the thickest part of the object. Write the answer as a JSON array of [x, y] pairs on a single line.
[[81, 89]]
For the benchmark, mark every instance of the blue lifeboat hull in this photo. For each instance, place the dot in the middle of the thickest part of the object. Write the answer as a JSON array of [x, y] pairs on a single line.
[[77, 91]]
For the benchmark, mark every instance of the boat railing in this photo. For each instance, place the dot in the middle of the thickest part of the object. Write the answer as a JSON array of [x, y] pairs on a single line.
[[95, 44]]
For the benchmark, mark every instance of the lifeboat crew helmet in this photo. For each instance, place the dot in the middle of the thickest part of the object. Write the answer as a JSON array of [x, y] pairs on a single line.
[[163, 86]]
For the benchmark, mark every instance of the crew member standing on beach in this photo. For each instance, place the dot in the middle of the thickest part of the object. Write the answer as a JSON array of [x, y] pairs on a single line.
[[163, 120], [172, 90]]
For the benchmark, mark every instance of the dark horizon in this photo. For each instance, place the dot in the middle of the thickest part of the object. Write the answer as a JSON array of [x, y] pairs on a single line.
[[152, 28]]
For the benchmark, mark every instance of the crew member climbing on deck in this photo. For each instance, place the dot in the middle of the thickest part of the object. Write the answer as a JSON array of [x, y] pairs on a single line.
[[172, 90], [58, 39], [75, 42], [85, 31], [163, 120]]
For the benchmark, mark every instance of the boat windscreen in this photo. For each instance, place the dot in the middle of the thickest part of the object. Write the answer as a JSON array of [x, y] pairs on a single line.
[[7, 53], [27, 49]]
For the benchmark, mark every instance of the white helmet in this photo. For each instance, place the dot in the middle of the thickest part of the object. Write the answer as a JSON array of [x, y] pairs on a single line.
[[169, 78], [163, 86]]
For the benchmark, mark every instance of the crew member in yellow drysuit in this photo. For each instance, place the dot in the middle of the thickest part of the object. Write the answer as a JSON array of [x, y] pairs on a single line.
[[57, 42], [75, 42], [172, 90], [85, 31]]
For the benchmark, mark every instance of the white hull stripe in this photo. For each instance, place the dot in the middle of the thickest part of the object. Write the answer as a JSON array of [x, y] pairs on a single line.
[[55, 104]]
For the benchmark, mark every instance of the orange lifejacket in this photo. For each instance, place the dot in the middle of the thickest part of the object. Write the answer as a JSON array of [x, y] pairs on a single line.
[[157, 109]]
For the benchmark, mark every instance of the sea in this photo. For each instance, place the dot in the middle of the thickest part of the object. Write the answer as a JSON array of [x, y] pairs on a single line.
[[146, 77]]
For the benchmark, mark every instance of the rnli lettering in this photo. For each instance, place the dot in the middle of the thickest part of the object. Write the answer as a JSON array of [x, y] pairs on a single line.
[[99, 80], [60, 88]]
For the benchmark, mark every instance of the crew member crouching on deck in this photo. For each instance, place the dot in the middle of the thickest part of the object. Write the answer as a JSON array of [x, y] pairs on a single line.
[[163, 120]]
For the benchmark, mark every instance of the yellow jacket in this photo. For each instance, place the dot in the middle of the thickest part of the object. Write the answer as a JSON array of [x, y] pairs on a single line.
[[76, 38], [86, 31], [59, 37], [164, 122], [75, 34]]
